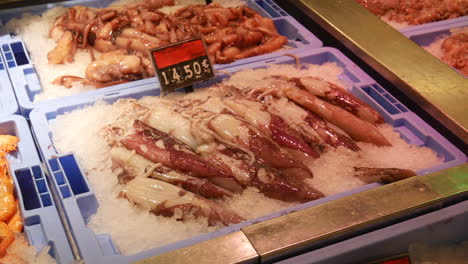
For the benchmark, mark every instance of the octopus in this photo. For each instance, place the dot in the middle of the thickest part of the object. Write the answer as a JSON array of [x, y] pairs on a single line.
[[123, 35], [10, 217], [415, 12], [231, 138], [455, 52]]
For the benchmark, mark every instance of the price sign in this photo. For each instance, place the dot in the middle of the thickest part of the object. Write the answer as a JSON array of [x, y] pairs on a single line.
[[182, 64]]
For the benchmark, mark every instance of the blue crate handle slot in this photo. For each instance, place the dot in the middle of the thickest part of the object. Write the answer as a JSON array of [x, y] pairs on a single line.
[[42, 224], [68, 176]]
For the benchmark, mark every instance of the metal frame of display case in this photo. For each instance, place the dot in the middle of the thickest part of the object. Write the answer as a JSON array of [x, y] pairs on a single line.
[[429, 83]]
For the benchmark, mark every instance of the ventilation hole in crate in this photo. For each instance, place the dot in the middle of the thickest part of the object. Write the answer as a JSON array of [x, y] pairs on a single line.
[[46, 201], [20, 55], [32, 220], [1, 66], [349, 75], [390, 98], [37, 172], [51, 249], [267, 7], [402, 108], [8, 56], [29, 71], [381, 100], [41, 186], [54, 164], [378, 88], [51, 115], [73, 174], [28, 192], [59, 178], [413, 133], [106, 244], [88, 206], [409, 136], [11, 64], [65, 191], [442, 152], [6, 47]]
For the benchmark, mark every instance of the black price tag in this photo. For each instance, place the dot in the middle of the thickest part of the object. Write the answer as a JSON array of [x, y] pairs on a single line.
[[182, 64]]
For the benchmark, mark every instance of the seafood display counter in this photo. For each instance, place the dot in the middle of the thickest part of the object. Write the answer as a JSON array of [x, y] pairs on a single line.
[[280, 154], [81, 202]]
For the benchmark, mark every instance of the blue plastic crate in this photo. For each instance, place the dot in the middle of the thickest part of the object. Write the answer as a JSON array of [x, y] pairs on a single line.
[[42, 224], [26, 82], [80, 202], [8, 104], [443, 227], [437, 24], [424, 35]]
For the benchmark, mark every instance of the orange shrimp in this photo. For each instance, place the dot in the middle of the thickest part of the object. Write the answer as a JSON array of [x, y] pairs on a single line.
[[7, 206], [16, 223], [7, 200], [8, 143], [6, 238]]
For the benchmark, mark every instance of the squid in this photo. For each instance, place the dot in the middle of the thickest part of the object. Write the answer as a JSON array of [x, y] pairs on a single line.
[[167, 200], [312, 128], [236, 131], [269, 124], [160, 147], [339, 107], [271, 182], [358, 129], [132, 165], [338, 96]]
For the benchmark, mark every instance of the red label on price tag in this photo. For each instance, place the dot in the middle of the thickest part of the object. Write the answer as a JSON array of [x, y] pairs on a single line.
[[181, 64]]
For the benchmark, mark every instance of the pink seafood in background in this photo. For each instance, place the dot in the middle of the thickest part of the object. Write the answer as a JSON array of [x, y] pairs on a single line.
[[455, 52], [416, 12], [124, 34]]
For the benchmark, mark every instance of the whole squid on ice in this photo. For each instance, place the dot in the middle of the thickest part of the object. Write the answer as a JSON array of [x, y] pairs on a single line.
[[236, 131], [313, 128], [132, 165], [168, 200], [273, 126], [160, 147], [271, 182], [330, 102]]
